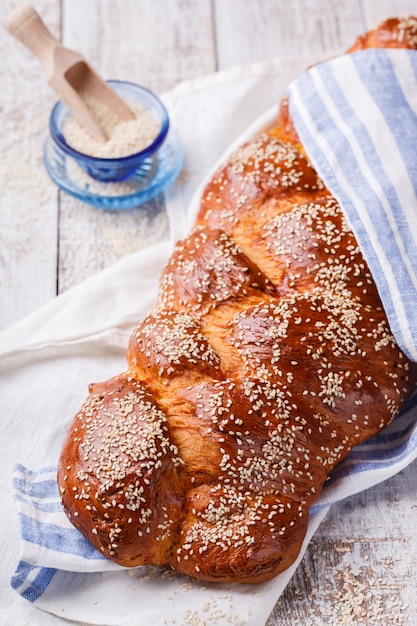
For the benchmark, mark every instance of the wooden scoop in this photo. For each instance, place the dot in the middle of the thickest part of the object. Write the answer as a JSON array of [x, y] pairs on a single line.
[[66, 71]]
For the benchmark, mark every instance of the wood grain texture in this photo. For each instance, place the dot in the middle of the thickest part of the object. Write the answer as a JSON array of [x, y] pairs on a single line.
[[154, 44], [91, 240], [255, 30], [376, 10], [28, 216], [359, 568]]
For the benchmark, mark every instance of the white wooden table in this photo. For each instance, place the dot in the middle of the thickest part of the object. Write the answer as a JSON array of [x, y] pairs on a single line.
[[360, 567]]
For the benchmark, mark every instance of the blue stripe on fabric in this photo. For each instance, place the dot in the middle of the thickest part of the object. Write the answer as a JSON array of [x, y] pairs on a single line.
[[325, 170], [365, 141], [43, 471], [405, 274], [43, 489], [388, 436], [360, 461], [403, 424], [394, 105], [348, 468], [351, 467], [401, 447], [325, 125], [36, 587], [402, 122], [384, 450], [57, 538], [307, 89], [356, 177], [43, 507], [385, 444]]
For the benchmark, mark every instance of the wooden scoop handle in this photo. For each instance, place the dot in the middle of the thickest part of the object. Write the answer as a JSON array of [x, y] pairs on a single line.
[[66, 71], [26, 25]]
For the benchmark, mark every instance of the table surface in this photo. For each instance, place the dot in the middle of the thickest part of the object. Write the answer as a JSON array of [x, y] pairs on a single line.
[[359, 567]]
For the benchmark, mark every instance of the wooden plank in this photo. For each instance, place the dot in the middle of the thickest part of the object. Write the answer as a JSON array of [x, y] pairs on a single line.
[[128, 40], [156, 44], [28, 216], [91, 239], [359, 568], [375, 12], [252, 30]]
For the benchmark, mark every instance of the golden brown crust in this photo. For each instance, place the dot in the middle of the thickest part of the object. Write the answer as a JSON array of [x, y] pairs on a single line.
[[118, 457], [266, 359]]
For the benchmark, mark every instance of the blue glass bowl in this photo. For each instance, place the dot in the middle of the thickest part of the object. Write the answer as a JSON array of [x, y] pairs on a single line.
[[121, 168], [148, 181]]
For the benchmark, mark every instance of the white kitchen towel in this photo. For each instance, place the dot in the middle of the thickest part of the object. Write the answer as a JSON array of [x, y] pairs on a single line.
[[357, 119], [47, 361]]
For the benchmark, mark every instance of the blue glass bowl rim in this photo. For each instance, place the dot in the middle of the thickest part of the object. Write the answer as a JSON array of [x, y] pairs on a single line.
[[59, 139], [124, 202]]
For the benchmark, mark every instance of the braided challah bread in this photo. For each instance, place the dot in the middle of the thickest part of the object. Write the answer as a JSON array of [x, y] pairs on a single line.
[[267, 357]]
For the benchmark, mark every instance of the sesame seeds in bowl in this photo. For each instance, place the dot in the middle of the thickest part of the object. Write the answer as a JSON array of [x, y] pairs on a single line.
[[141, 157], [119, 157]]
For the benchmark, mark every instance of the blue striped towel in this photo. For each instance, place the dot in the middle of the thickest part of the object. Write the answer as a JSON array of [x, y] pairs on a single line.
[[356, 117], [49, 542]]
